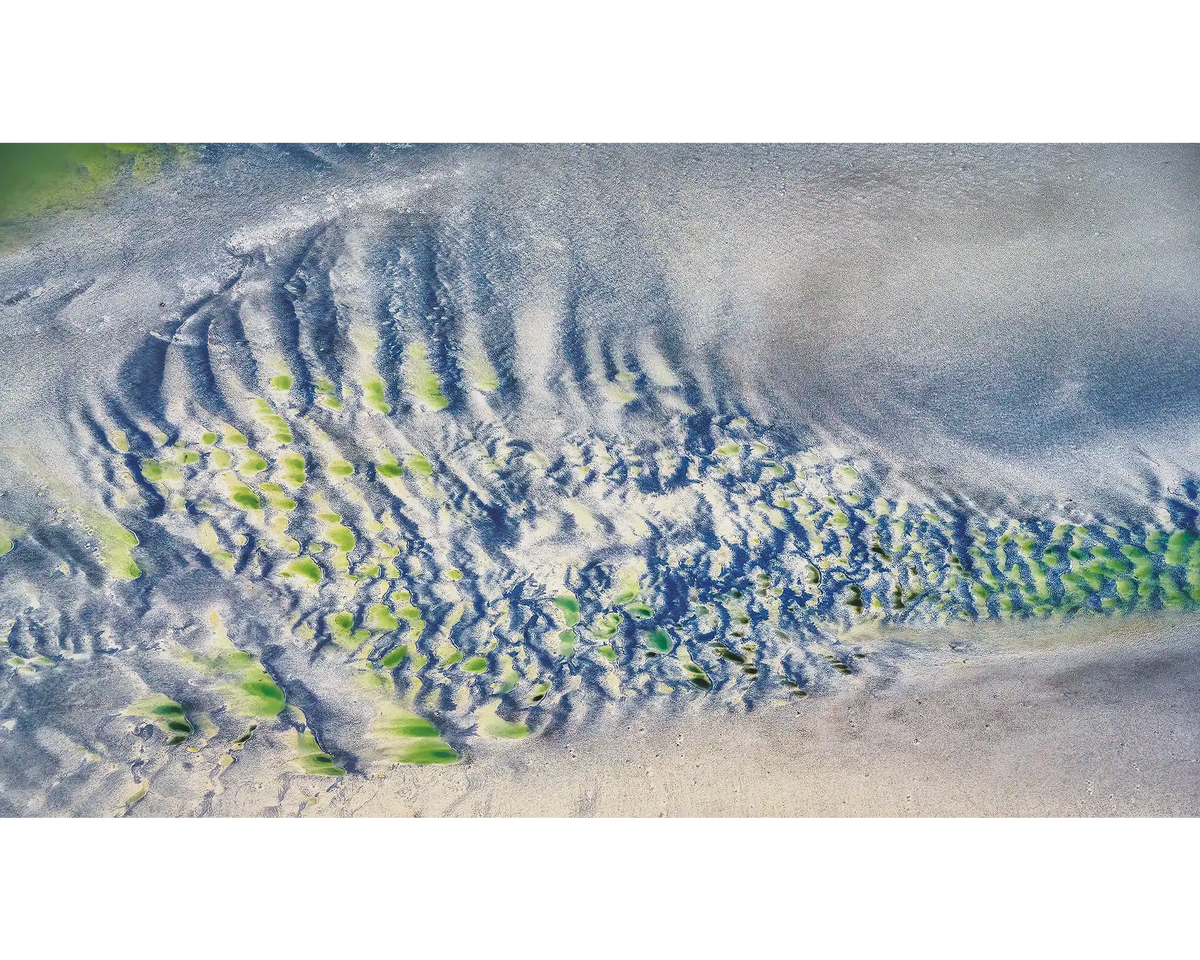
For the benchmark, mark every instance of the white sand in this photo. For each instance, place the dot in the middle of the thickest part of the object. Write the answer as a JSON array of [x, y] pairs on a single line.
[[1110, 728]]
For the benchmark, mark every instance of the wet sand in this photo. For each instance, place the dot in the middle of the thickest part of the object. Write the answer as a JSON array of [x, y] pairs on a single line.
[[1108, 729]]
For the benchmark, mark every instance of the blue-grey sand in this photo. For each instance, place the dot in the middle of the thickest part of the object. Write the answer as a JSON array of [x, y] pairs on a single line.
[[623, 481]]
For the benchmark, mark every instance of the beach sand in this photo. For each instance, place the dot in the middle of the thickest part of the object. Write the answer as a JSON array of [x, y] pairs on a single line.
[[1110, 728]]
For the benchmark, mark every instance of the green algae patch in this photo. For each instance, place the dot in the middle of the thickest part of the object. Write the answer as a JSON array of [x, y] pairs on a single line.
[[304, 568], [277, 498], [32, 665], [162, 472], [379, 617], [241, 494], [9, 532], [627, 594], [49, 178], [419, 465], [569, 606], [341, 628], [508, 682], [728, 450], [311, 759], [211, 545], [696, 675], [476, 665], [423, 383], [395, 658], [608, 653], [454, 574], [659, 640], [208, 438], [1156, 541], [388, 467], [1179, 547], [340, 536], [340, 468], [494, 727], [408, 739], [167, 715], [251, 463], [374, 395], [249, 689], [566, 643], [605, 628], [257, 695], [116, 547], [281, 382], [327, 394], [293, 472]]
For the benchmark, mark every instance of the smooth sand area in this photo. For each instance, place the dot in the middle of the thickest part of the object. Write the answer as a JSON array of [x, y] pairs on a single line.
[[1102, 728]]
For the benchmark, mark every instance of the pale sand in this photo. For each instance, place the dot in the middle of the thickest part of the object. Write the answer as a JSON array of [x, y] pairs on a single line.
[[1110, 727]]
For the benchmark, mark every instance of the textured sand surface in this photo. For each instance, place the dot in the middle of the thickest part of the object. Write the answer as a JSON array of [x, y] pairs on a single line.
[[1109, 729], [317, 462]]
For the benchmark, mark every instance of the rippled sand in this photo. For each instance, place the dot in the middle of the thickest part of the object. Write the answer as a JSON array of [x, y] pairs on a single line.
[[452, 481]]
